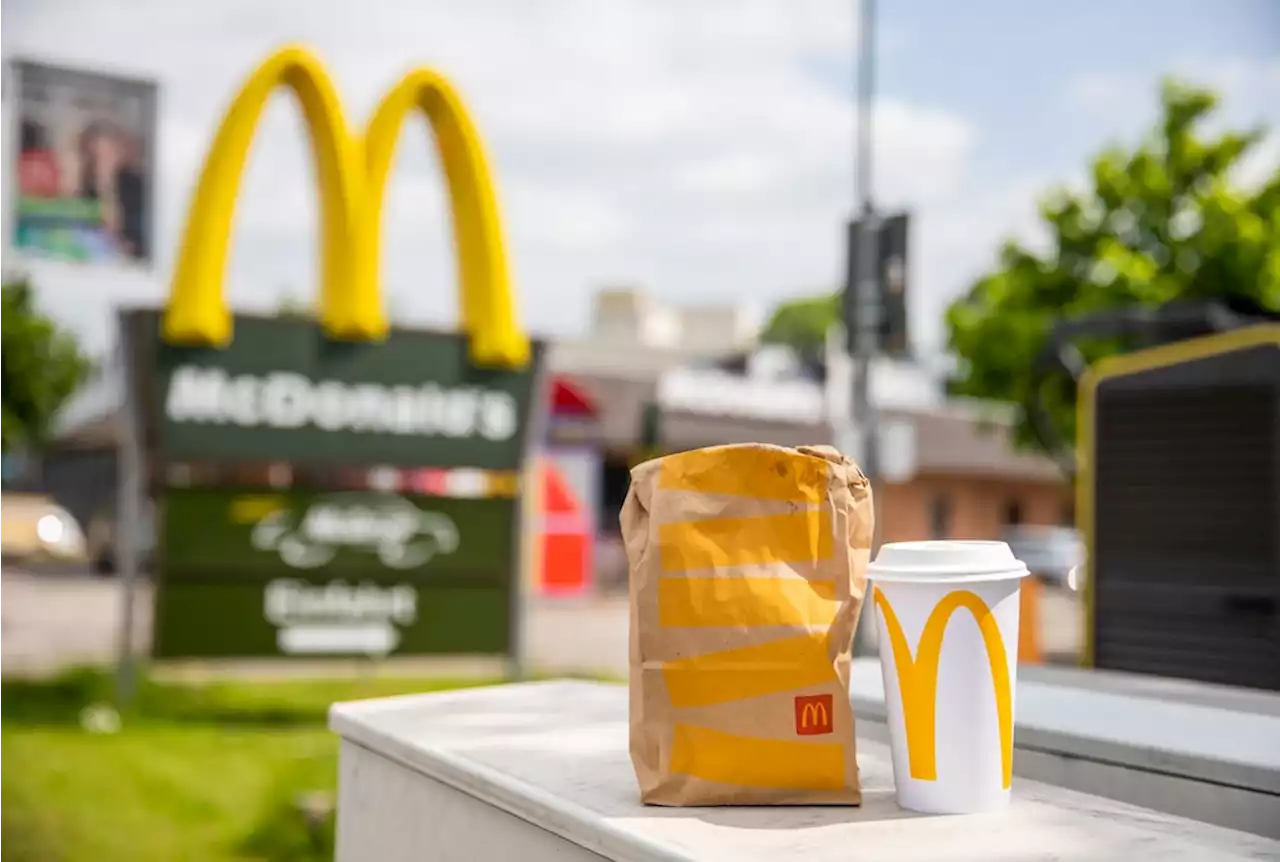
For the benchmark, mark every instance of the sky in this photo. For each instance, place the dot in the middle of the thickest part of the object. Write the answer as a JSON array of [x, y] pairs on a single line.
[[699, 150]]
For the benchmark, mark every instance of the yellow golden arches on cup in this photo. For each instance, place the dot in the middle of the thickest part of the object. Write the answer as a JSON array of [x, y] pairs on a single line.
[[918, 679], [352, 175]]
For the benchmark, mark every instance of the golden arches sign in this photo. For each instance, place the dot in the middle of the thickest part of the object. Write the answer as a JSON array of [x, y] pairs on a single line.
[[352, 174]]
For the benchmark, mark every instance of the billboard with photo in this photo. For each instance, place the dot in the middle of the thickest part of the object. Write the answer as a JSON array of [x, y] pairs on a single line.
[[86, 153]]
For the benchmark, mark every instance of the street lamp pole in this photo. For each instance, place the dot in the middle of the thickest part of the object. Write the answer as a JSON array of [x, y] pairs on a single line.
[[862, 342], [11, 130]]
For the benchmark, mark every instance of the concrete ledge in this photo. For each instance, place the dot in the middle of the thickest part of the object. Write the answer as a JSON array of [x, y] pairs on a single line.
[[1208, 752], [1156, 687], [541, 770]]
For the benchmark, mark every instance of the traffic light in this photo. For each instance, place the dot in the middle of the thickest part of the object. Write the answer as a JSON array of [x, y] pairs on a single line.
[[892, 278]]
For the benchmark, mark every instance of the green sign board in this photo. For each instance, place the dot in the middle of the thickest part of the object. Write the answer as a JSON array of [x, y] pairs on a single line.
[[283, 391], [333, 573], [223, 535], [309, 618], [392, 527]]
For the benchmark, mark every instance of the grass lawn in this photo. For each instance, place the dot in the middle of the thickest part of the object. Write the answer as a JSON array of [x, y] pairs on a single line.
[[197, 773]]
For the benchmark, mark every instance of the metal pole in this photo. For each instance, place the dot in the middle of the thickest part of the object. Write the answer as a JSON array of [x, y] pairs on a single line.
[[30, 464], [128, 514], [864, 294], [12, 130], [525, 526], [862, 343]]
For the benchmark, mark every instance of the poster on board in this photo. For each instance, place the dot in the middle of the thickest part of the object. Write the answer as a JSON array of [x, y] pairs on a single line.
[[86, 160]]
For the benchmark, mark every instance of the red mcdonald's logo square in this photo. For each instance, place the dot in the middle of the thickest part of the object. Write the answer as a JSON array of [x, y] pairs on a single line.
[[813, 714]]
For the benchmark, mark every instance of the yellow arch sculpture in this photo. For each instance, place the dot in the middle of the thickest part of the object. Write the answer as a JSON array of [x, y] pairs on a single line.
[[352, 175]]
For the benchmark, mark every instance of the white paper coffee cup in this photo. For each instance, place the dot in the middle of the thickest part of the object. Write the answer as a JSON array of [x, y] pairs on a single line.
[[947, 617]]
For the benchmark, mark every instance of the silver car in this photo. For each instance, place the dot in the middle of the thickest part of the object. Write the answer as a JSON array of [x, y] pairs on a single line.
[[1053, 553], [35, 529]]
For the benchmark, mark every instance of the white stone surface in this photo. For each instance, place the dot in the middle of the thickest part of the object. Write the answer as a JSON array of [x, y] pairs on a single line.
[[1228, 746], [552, 757], [393, 814], [1190, 749]]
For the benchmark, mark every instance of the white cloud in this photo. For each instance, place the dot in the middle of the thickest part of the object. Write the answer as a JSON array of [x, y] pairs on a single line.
[[1259, 164], [687, 147], [566, 218], [740, 172], [1250, 96], [1250, 92]]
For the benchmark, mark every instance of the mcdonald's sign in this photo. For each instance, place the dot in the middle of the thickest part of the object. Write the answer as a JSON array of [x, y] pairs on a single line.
[[918, 678], [237, 388], [227, 399], [352, 172]]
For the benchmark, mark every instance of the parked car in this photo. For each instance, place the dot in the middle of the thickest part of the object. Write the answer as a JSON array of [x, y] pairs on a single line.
[[104, 547], [1055, 554], [34, 529]]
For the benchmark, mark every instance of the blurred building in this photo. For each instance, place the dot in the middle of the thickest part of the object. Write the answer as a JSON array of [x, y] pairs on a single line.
[[635, 335], [80, 469], [655, 376], [962, 479], [690, 378]]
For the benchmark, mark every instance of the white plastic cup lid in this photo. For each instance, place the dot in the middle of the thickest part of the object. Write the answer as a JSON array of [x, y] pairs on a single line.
[[944, 561]]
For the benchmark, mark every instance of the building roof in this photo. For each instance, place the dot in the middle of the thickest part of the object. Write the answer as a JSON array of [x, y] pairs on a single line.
[[956, 437], [612, 385], [961, 439]]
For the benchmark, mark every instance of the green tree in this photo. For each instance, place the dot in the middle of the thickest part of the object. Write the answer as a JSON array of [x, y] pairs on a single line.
[[803, 323], [1158, 223], [42, 366]]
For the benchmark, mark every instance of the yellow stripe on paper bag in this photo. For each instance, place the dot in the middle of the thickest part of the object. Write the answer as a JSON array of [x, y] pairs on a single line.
[[766, 474], [716, 756], [733, 601], [750, 671], [797, 537]]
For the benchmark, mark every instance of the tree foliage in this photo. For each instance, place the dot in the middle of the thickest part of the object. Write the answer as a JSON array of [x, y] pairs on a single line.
[[42, 366], [1158, 223], [803, 323]]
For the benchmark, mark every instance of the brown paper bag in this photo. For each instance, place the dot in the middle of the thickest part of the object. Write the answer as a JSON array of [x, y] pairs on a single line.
[[747, 571]]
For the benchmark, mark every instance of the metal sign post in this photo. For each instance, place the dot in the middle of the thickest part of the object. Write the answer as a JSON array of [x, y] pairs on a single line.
[[128, 511], [862, 294], [10, 128], [865, 339], [525, 523]]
